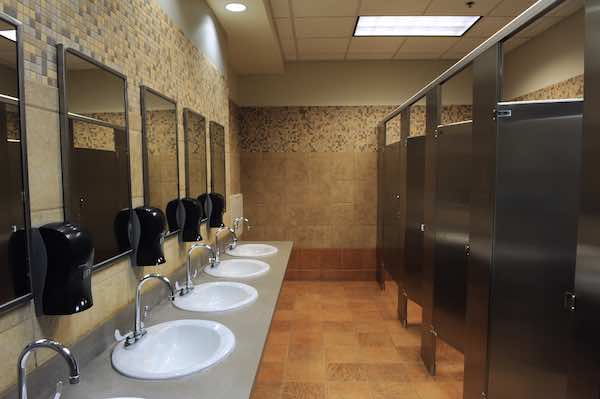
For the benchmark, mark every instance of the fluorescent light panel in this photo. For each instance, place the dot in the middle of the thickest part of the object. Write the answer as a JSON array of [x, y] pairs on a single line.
[[414, 25]]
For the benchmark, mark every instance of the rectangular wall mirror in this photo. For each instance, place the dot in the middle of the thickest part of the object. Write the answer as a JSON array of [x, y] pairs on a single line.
[[196, 179], [14, 209], [95, 149], [160, 149], [217, 159]]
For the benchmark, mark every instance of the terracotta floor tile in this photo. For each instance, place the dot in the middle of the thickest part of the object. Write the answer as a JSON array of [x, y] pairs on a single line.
[[266, 391], [305, 351], [284, 315], [270, 373], [369, 326], [303, 390], [336, 338], [281, 326], [307, 337], [375, 339], [358, 315], [337, 326], [348, 390], [342, 354], [416, 372], [275, 352], [344, 315], [386, 372], [436, 390], [392, 390], [306, 326], [375, 354], [409, 354], [279, 338], [305, 370], [346, 372], [406, 338]]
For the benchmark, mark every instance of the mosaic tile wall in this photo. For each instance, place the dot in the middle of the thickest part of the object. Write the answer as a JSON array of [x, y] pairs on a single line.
[[138, 39], [570, 88]]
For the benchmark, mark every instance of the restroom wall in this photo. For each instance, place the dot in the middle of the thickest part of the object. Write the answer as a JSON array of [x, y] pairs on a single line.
[[137, 38]]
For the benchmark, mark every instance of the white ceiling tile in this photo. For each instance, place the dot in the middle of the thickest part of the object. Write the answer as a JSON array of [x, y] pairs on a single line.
[[375, 44], [511, 8], [280, 8], [320, 46], [284, 28], [370, 56], [418, 55], [336, 56], [324, 8], [453, 55], [324, 27], [487, 26], [428, 44], [538, 27], [453, 7], [566, 8], [466, 44], [388, 7]]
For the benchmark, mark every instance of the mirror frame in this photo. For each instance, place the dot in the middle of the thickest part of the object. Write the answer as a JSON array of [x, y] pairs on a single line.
[[145, 163], [22, 300], [212, 162], [186, 113], [65, 115]]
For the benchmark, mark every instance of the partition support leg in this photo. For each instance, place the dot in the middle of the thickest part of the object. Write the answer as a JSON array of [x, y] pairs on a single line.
[[403, 308], [429, 349]]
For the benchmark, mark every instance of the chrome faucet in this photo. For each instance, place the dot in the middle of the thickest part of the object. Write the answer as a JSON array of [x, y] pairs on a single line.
[[138, 329], [239, 221], [232, 242], [58, 348], [189, 284]]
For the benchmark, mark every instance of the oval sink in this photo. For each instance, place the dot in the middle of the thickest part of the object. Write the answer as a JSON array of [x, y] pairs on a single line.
[[217, 297], [174, 349], [252, 250], [238, 268]]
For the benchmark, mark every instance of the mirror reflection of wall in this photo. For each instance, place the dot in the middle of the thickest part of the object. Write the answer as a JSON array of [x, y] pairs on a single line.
[[95, 156], [14, 279], [217, 158], [159, 138], [196, 181]]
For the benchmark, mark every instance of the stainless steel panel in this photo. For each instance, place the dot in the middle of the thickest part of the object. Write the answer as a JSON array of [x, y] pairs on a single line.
[[486, 92], [584, 382], [452, 203], [415, 196], [537, 200], [392, 217]]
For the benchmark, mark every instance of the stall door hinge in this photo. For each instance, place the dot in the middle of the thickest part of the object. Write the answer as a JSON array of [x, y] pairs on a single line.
[[483, 395], [467, 249], [570, 301], [423, 227]]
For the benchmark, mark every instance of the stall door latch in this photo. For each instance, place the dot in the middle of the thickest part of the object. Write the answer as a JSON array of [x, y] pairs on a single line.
[[502, 113], [570, 301]]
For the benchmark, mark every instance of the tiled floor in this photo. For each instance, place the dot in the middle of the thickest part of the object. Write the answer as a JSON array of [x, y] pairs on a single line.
[[342, 341]]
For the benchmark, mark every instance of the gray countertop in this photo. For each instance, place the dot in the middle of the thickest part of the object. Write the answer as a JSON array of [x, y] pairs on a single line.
[[232, 378]]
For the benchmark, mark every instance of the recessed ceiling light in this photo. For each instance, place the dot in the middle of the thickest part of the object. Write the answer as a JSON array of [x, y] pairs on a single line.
[[236, 7], [414, 25]]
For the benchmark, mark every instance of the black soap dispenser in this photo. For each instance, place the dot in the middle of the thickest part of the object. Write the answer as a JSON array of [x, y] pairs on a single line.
[[151, 236], [62, 259], [194, 213], [214, 204]]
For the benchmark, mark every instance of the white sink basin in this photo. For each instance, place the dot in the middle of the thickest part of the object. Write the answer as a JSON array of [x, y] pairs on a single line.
[[238, 268], [252, 250], [174, 349], [217, 297]]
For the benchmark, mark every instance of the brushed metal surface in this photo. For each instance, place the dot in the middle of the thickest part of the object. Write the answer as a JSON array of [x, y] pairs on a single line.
[[452, 203], [537, 201]]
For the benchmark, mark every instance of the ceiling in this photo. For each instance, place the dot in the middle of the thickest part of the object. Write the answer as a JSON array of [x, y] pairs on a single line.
[[272, 32], [323, 29]]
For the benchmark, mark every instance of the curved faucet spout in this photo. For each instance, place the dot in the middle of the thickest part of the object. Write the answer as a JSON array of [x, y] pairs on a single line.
[[189, 284], [55, 346]]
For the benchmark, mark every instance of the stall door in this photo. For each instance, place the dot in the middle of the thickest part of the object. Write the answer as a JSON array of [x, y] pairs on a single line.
[[392, 217], [453, 191], [415, 196], [537, 201]]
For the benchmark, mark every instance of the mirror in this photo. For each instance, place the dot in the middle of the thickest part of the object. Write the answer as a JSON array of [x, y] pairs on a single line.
[[217, 159], [196, 175], [160, 149], [14, 211], [95, 155]]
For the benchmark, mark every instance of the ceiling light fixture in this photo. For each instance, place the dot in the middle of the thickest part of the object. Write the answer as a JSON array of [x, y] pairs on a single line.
[[414, 25], [236, 7]]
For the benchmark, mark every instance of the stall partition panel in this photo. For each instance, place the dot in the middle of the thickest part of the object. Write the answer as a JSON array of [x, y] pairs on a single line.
[[393, 220], [415, 196], [452, 202], [537, 201]]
